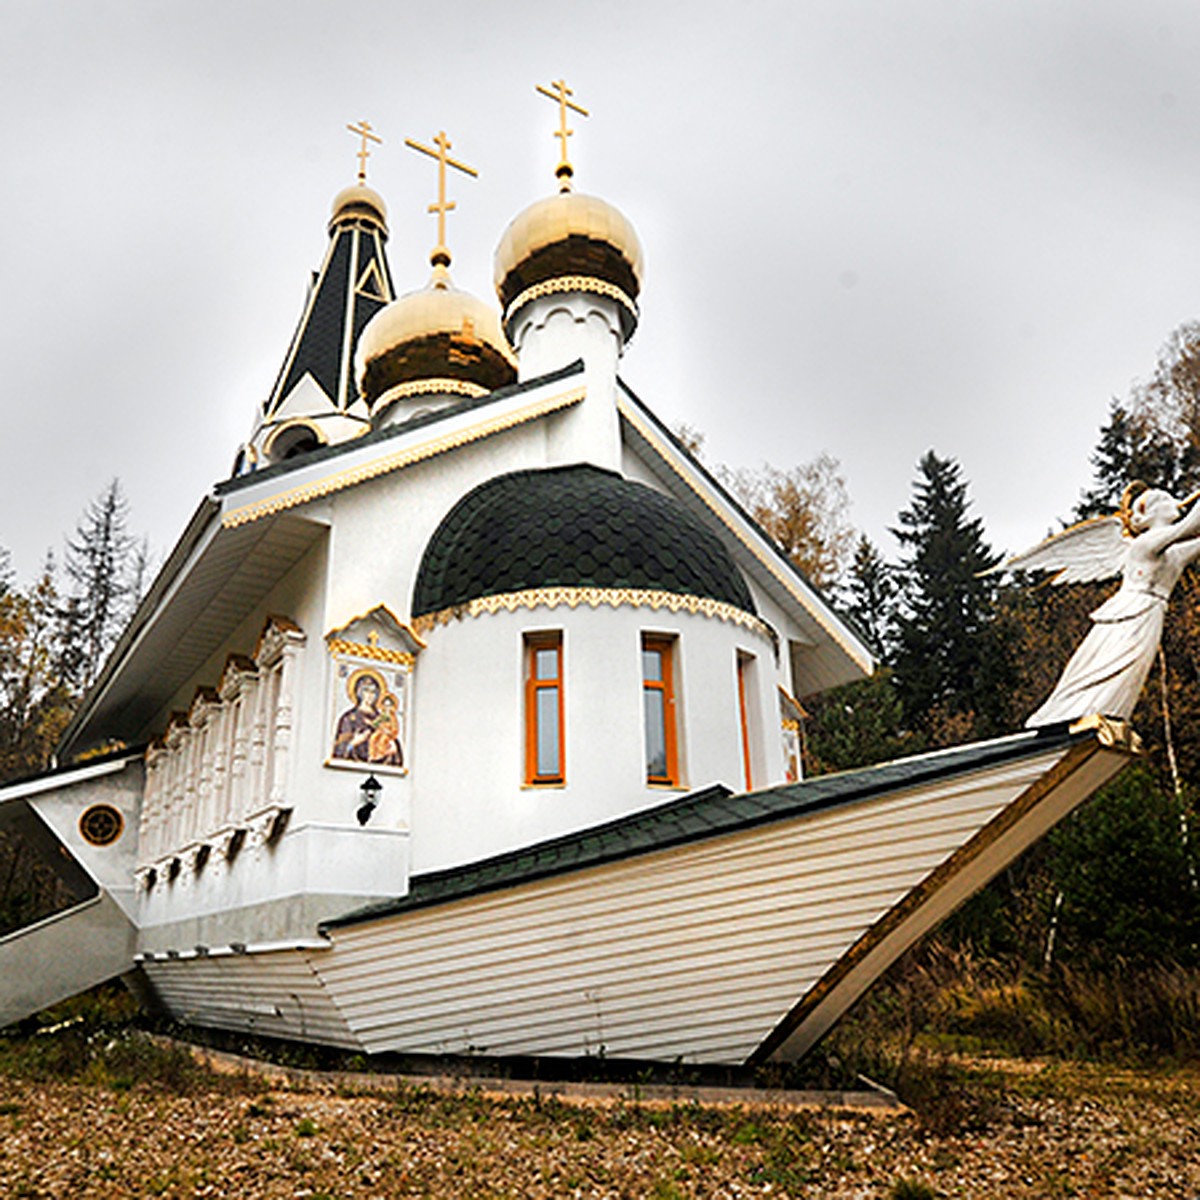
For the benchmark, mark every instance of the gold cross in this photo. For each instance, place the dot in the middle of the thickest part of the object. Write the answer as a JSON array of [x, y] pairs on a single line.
[[564, 170], [441, 254], [363, 130]]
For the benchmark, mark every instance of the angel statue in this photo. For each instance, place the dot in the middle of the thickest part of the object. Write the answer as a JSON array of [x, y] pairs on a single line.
[[1149, 541]]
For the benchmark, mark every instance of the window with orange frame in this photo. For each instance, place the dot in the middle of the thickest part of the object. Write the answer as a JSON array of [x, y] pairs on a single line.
[[545, 735], [658, 707], [745, 667]]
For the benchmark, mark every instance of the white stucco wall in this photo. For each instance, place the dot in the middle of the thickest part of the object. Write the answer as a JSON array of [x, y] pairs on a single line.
[[469, 799]]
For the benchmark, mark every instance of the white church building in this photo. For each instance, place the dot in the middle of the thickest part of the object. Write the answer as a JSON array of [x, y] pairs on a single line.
[[462, 717]]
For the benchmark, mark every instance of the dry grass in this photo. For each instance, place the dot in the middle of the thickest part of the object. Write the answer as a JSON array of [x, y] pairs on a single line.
[[1024, 1130]]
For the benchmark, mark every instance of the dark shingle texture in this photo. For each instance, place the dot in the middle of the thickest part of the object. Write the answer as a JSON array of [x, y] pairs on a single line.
[[576, 526]]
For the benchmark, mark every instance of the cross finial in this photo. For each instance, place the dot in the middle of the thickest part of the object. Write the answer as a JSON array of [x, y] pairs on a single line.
[[363, 130], [441, 253], [564, 171]]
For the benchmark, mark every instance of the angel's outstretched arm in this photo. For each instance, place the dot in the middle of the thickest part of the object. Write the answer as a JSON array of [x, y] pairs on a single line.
[[1188, 550], [1170, 535]]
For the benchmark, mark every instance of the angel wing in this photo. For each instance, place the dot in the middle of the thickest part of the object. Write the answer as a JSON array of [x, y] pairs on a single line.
[[1083, 553]]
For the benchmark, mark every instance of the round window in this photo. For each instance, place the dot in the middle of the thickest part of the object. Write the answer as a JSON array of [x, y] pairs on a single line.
[[101, 825]]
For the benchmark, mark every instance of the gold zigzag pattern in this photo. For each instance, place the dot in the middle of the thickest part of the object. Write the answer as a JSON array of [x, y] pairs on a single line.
[[574, 597], [573, 283], [375, 653], [394, 462]]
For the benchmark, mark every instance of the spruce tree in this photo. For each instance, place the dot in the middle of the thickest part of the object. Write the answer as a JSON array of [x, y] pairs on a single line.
[[869, 597], [1134, 445], [952, 666], [100, 561]]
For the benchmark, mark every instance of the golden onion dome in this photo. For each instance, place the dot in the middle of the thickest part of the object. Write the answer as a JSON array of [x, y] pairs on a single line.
[[569, 242], [436, 340], [361, 203]]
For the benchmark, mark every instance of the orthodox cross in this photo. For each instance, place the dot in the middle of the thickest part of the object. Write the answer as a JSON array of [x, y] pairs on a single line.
[[363, 130], [559, 95], [441, 254]]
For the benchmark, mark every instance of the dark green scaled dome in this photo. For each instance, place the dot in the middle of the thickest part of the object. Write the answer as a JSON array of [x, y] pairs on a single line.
[[576, 526]]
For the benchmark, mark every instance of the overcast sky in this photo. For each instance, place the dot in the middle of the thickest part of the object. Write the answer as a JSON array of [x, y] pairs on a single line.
[[871, 228]]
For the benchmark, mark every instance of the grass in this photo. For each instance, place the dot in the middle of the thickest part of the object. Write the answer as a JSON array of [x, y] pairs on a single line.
[[926, 1030], [94, 1038]]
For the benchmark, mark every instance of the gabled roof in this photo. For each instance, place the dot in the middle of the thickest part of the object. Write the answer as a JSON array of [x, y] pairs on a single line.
[[833, 652], [713, 812]]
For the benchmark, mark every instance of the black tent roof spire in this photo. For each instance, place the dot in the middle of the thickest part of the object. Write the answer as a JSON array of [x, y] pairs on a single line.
[[314, 400]]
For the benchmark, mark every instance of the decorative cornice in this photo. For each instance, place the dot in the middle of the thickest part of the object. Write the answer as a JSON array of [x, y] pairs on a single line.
[[571, 283], [593, 597], [429, 387], [719, 511], [374, 653], [401, 458], [380, 612], [277, 633]]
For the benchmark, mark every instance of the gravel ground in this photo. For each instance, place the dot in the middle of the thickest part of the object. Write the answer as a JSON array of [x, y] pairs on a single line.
[[1012, 1131]]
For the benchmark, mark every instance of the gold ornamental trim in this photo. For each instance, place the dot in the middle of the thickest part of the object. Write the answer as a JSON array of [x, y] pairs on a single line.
[[593, 597], [320, 488], [376, 653], [572, 283], [627, 411], [430, 387]]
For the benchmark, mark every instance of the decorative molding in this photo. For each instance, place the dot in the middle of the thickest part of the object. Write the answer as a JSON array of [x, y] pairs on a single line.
[[278, 634], [573, 597], [719, 511], [101, 825], [572, 283], [347, 638], [376, 653], [439, 386], [267, 825], [398, 460], [229, 754]]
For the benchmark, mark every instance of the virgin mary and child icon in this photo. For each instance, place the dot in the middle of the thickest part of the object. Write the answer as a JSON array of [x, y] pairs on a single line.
[[369, 731]]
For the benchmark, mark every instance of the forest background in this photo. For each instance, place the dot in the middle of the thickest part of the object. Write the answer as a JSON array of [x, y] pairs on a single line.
[[1088, 945]]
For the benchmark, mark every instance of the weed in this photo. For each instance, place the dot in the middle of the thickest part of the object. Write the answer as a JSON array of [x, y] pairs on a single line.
[[749, 1133], [911, 1189], [306, 1128], [665, 1189]]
